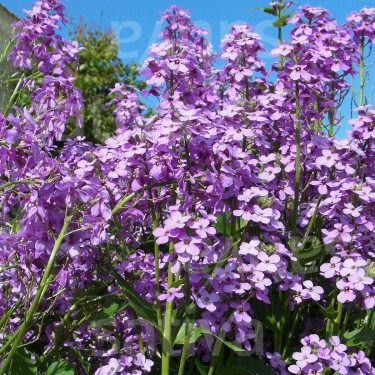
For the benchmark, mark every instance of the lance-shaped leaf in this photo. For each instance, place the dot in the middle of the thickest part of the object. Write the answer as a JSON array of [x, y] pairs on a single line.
[[143, 308]]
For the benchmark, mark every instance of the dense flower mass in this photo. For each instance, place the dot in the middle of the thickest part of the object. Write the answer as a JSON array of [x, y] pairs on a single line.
[[231, 230]]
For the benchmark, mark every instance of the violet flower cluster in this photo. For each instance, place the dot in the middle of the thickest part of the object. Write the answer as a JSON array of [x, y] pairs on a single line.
[[230, 229]]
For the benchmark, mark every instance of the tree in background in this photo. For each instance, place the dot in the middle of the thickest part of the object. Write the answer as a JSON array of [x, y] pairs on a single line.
[[99, 70]]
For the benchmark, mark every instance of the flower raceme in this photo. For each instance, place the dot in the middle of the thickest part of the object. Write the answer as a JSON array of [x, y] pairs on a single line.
[[198, 224]]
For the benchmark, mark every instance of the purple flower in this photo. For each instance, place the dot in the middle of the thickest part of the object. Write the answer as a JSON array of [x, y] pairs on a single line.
[[282, 49], [347, 291], [304, 357], [342, 231], [332, 268], [262, 216], [249, 248], [260, 281], [298, 72], [360, 279], [112, 368], [172, 294], [339, 362], [144, 364], [202, 228], [312, 291], [327, 159], [369, 299], [176, 220], [350, 266], [188, 245], [240, 315], [207, 300], [267, 263]]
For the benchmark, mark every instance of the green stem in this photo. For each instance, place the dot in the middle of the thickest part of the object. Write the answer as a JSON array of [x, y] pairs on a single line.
[[331, 113], [280, 324], [187, 322], [5, 53], [139, 334], [15, 93], [311, 223], [10, 183], [346, 318], [166, 343], [42, 289], [155, 224], [329, 320], [129, 197], [361, 70], [298, 162], [292, 330], [336, 324], [9, 312]]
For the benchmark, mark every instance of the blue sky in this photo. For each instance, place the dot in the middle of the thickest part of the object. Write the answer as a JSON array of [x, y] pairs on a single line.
[[136, 22]]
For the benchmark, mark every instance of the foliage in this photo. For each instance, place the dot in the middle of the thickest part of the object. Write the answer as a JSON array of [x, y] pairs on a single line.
[[99, 70]]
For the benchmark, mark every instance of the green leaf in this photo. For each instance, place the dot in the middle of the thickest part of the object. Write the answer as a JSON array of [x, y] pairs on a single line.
[[243, 223], [180, 338], [143, 308], [282, 21], [176, 322], [148, 246], [360, 336], [219, 225], [200, 367], [198, 333], [60, 368], [248, 366], [270, 10], [263, 315], [236, 370], [201, 331], [82, 360], [255, 8], [329, 312], [278, 23], [110, 307], [313, 253], [23, 364], [177, 283]]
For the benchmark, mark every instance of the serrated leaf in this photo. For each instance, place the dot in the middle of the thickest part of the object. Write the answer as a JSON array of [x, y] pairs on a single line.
[[360, 336], [23, 364], [60, 368]]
